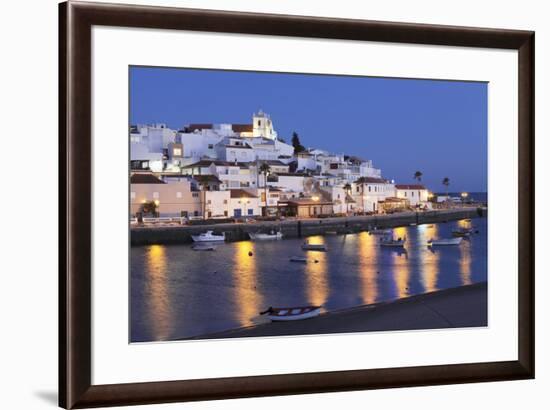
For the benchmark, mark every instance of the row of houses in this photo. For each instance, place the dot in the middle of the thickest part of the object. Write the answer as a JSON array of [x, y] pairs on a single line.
[[206, 196]]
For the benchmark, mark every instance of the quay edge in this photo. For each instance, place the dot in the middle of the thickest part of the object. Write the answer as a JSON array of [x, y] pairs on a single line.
[[299, 228]]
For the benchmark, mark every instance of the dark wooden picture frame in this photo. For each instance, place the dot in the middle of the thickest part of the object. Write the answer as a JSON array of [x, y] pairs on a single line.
[[75, 187]]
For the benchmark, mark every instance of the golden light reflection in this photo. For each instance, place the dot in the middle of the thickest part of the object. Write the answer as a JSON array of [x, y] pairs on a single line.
[[160, 305], [464, 223], [368, 259], [429, 259], [247, 297], [316, 274], [466, 262], [401, 270]]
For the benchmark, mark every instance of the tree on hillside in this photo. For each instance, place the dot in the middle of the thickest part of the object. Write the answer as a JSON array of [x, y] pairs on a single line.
[[418, 176], [265, 169], [298, 147]]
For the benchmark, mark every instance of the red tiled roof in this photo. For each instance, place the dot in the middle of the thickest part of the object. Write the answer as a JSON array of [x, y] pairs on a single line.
[[145, 179], [241, 127], [241, 193], [417, 186]]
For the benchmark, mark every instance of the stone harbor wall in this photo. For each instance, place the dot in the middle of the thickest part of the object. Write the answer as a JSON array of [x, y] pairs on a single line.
[[293, 228]]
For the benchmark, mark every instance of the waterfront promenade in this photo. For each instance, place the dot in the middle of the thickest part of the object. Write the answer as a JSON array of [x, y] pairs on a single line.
[[464, 306], [293, 227]]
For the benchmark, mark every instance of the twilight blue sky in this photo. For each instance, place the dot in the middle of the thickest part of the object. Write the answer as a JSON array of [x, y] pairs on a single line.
[[403, 125]]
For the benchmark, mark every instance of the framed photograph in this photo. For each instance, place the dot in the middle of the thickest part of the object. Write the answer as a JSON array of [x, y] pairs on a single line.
[[257, 204]]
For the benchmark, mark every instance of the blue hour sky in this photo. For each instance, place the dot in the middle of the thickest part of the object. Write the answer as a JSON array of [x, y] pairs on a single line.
[[403, 125]]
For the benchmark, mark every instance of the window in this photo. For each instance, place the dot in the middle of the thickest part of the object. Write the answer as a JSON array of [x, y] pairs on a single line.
[[209, 202], [224, 213], [250, 212], [133, 195], [176, 152], [405, 194], [195, 194], [369, 188], [225, 201], [156, 195], [179, 195], [210, 146], [412, 193]]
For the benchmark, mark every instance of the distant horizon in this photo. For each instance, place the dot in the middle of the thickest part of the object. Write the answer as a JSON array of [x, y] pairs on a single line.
[[403, 125]]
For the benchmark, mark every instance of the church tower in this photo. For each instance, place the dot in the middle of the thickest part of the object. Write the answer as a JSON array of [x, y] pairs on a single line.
[[262, 126]]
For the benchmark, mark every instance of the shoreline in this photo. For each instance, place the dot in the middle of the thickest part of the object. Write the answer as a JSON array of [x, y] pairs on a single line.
[[292, 228], [458, 307]]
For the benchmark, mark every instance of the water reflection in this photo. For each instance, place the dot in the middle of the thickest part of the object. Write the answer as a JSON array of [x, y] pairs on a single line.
[[316, 274], [466, 262], [160, 312], [247, 298], [368, 259], [401, 270], [429, 258]]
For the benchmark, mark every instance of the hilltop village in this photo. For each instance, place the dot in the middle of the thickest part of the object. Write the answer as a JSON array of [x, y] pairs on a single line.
[[222, 171]]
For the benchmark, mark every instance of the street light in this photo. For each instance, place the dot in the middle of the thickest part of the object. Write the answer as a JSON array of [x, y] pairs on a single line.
[[315, 198]]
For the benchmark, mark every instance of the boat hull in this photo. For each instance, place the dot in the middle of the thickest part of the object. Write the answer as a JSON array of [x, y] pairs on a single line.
[[265, 236], [289, 318], [446, 242]]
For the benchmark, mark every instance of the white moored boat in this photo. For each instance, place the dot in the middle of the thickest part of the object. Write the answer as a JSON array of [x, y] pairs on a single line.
[[321, 247], [443, 242], [208, 236], [266, 236], [284, 314]]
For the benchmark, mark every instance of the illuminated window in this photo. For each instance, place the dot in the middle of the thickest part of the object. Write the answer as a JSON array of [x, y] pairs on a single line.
[[177, 152]]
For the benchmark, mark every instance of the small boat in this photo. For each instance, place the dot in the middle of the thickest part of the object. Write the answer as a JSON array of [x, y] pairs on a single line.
[[284, 314], [391, 242], [444, 242], [208, 236], [320, 247], [266, 236], [462, 233], [377, 231], [204, 247], [301, 259]]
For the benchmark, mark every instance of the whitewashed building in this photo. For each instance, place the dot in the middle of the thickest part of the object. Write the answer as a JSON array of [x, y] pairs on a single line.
[[416, 194]]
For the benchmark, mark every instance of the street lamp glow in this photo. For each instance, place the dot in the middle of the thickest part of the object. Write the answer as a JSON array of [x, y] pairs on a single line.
[[315, 198], [464, 195], [157, 202]]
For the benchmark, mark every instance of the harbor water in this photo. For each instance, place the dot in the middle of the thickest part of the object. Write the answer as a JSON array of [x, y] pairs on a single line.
[[177, 292]]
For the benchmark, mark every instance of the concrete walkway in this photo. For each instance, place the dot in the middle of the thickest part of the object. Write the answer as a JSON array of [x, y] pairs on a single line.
[[465, 306]]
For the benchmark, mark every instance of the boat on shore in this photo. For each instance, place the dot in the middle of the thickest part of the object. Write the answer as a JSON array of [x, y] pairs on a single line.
[[444, 242], [388, 241], [320, 247], [271, 236], [208, 236], [285, 314]]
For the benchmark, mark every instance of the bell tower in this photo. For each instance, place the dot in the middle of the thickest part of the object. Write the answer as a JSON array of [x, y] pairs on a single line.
[[262, 126]]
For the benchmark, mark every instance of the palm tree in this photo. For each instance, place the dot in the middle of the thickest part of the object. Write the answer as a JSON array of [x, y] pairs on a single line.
[[264, 169], [347, 188], [446, 181], [418, 176]]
